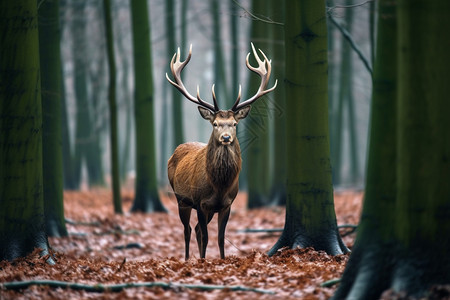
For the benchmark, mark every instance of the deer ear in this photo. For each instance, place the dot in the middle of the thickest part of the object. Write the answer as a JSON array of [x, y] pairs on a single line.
[[206, 113], [242, 113]]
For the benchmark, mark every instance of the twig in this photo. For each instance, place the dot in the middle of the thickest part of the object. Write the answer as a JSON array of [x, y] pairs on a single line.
[[255, 230], [331, 282], [252, 230], [255, 17], [72, 222], [350, 6], [119, 287], [349, 39], [351, 226]]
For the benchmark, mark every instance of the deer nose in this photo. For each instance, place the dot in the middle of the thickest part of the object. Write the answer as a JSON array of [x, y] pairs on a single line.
[[226, 138]]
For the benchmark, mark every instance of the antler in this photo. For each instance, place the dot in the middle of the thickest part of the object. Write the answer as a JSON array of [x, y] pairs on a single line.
[[176, 66], [261, 71]]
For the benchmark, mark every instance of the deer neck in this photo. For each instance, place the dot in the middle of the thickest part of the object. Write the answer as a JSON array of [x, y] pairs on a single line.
[[223, 163]]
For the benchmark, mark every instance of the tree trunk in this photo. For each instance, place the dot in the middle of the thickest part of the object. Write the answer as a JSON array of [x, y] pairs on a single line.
[[257, 124], [310, 215], [50, 61], [22, 221], [146, 198], [115, 174], [278, 180], [402, 239], [177, 105]]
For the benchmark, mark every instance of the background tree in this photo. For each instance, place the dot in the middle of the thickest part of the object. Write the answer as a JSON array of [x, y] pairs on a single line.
[[177, 105], [50, 62], [256, 126], [278, 109], [402, 238], [310, 215], [344, 111], [115, 174], [146, 198], [87, 149], [22, 223]]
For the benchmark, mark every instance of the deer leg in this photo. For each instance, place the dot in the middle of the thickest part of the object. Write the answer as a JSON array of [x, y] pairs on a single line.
[[222, 222], [185, 215], [202, 231]]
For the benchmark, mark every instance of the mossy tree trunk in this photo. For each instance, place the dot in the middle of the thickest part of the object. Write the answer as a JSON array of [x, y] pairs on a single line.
[[146, 198], [278, 108], [22, 221], [257, 124], [50, 62], [310, 215], [402, 242]]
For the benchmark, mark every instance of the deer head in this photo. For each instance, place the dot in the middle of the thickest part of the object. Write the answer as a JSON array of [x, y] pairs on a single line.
[[223, 121]]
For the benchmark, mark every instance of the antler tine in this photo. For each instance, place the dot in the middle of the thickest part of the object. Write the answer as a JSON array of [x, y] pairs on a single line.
[[216, 107], [264, 70], [176, 66]]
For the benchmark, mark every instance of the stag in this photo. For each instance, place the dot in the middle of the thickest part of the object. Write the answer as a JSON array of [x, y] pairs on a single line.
[[205, 177]]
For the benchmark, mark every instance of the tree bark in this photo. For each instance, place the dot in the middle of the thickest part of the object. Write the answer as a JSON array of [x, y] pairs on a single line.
[[50, 58], [310, 215], [115, 174], [402, 239], [146, 198], [257, 124], [22, 221]]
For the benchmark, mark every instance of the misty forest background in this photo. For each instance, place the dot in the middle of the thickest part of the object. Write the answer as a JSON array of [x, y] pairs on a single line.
[[220, 33]]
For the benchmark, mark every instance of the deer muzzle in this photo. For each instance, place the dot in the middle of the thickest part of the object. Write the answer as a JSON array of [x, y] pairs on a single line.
[[226, 139]]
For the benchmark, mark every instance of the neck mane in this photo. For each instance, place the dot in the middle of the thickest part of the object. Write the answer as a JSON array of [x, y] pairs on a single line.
[[223, 163]]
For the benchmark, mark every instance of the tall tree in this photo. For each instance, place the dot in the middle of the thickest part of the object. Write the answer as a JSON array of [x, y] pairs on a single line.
[[22, 221], [310, 215], [345, 111], [220, 77], [146, 198], [115, 174], [177, 105], [278, 180], [402, 240], [87, 148], [234, 32], [257, 124], [50, 62], [70, 182]]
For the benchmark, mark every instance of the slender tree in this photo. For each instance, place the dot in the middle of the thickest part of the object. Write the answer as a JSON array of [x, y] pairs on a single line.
[[22, 221], [402, 242], [87, 148], [177, 105], [278, 179], [234, 32], [257, 124], [220, 77], [146, 198], [70, 182], [310, 215], [115, 174], [50, 61]]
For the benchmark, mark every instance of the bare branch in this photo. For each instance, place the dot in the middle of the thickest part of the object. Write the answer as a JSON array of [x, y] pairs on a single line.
[[354, 46], [264, 19], [98, 287]]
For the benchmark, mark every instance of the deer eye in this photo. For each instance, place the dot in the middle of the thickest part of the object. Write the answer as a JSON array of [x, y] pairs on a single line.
[[234, 124], [215, 124]]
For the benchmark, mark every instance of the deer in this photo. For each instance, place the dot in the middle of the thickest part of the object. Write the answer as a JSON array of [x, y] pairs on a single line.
[[205, 177]]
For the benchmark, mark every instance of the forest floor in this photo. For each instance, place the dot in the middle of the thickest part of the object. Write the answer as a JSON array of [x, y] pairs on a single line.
[[108, 250]]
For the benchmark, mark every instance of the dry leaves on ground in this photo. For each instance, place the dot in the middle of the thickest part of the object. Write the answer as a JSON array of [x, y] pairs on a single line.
[[107, 249]]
